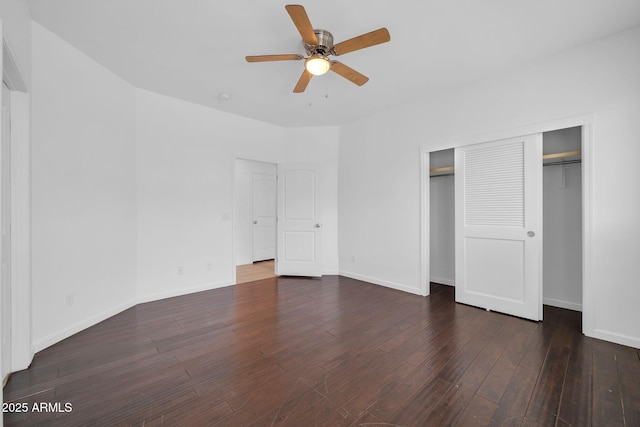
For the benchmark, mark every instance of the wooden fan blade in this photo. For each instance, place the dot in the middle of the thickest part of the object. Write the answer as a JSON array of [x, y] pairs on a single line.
[[301, 20], [365, 40], [349, 73], [265, 58], [304, 80]]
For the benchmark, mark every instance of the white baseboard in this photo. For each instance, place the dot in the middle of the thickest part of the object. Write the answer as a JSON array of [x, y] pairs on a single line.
[[443, 281], [562, 304], [621, 339], [381, 282], [80, 326], [182, 291]]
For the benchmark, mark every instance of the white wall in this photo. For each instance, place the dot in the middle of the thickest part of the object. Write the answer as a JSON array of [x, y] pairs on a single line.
[[243, 206], [185, 163], [379, 200], [320, 146], [83, 190], [379, 192]]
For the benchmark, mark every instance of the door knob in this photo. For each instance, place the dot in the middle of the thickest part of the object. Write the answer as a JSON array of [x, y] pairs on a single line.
[[531, 233], [255, 222], [318, 225]]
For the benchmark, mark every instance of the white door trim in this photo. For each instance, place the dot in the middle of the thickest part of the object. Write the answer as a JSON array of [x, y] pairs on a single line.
[[22, 347], [425, 236], [586, 121], [21, 231]]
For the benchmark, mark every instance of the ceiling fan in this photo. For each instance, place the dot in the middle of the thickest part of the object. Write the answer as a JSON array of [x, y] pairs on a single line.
[[319, 45]]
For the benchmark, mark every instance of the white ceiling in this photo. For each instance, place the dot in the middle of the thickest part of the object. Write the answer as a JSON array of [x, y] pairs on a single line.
[[194, 49]]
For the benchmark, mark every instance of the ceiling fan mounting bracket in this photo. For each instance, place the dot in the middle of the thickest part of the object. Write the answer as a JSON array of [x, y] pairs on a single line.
[[324, 46]]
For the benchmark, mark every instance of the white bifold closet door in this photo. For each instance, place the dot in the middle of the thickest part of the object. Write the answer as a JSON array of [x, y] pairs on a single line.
[[498, 224]]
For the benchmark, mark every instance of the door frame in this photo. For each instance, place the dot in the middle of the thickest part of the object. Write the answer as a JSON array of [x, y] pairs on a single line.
[[233, 210], [586, 122], [21, 323]]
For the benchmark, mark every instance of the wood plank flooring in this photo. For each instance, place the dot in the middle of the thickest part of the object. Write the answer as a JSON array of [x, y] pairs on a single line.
[[328, 352], [256, 271]]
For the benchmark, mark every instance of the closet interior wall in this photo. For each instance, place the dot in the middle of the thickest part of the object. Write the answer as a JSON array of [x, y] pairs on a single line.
[[442, 219], [562, 220]]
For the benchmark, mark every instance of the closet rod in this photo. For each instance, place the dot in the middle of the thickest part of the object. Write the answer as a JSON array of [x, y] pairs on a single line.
[[564, 162], [442, 174]]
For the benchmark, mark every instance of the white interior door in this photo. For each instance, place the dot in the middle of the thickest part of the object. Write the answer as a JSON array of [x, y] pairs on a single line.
[[264, 216], [498, 204], [5, 225], [299, 225]]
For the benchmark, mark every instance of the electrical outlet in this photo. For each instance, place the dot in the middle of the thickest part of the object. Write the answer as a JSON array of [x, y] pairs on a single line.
[[180, 269], [208, 266], [68, 299], [353, 258]]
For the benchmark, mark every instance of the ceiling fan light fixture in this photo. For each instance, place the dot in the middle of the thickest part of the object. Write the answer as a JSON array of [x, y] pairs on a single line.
[[317, 64]]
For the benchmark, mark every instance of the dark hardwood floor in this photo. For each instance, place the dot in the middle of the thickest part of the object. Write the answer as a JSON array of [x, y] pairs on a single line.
[[328, 352]]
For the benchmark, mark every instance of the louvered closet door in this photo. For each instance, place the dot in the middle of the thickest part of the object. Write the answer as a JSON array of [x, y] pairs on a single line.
[[498, 205]]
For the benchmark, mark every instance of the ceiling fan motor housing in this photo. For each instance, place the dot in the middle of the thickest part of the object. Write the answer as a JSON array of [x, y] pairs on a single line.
[[324, 46]]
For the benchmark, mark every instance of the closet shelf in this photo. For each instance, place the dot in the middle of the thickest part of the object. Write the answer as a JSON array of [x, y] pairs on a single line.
[[449, 169], [443, 169], [564, 154]]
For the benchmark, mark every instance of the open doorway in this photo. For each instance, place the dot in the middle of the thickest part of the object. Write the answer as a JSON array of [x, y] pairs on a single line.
[[562, 218], [441, 217], [255, 220]]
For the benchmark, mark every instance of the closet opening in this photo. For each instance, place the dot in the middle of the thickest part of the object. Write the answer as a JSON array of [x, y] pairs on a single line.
[[442, 218], [562, 282], [562, 218]]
